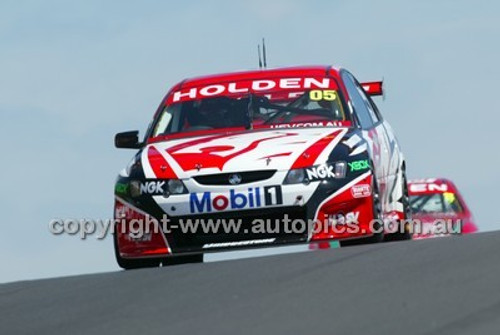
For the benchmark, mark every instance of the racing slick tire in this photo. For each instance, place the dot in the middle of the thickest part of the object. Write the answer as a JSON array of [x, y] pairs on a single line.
[[403, 233]]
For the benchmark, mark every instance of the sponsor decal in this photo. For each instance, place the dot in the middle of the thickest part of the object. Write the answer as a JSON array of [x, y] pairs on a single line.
[[238, 243], [318, 95], [152, 187], [361, 191], [251, 86], [312, 124], [359, 165], [253, 197], [419, 188], [121, 188], [320, 172], [132, 237], [343, 219]]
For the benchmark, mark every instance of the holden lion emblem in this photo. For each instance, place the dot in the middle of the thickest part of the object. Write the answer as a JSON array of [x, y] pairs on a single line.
[[234, 179]]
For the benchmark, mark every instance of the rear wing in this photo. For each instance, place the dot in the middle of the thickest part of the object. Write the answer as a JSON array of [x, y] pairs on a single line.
[[373, 88]]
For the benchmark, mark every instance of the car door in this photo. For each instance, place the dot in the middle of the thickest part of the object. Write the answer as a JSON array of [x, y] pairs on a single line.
[[374, 131]]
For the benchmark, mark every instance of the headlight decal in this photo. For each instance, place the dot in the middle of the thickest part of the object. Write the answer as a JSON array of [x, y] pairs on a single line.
[[157, 187], [320, 172], [295, 176]]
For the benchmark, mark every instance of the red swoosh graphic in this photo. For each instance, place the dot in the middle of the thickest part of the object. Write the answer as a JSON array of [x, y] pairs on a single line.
[[310, 155], [208, 157], [159, 165]]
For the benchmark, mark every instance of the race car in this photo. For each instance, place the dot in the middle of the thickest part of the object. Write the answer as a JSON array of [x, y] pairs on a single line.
[[438, 209], [286, 156]]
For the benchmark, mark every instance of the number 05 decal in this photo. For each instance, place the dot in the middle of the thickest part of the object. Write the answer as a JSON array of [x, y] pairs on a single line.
[[318, 95]]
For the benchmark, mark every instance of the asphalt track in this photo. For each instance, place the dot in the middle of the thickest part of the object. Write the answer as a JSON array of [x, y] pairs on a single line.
[[438, 286]]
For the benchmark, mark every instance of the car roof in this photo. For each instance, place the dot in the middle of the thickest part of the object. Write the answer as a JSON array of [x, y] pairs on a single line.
[[431, 185]]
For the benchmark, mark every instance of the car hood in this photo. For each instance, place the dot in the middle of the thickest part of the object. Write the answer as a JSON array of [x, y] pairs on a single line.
[[431, 221], [276, 149], [431, 218]]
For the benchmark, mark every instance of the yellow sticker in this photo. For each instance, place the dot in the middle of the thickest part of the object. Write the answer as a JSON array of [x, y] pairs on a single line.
[[318, 95], [449, 197]]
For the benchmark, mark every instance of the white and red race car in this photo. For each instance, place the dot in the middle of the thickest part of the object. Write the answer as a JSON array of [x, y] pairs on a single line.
[[292, 155]]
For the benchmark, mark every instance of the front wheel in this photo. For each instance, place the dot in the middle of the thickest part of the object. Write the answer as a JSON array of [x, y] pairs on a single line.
[[403, 233]]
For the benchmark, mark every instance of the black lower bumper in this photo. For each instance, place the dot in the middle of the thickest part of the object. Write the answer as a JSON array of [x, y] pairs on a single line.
[[264, 227]]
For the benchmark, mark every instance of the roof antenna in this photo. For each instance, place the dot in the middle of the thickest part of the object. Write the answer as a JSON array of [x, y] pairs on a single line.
[[264, 52], [260, 58]]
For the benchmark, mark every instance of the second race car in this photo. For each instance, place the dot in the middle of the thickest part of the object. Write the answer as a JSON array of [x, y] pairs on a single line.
[[439, 209]]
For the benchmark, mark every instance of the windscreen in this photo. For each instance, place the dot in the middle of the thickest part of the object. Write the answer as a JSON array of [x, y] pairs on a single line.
[[291, 102], [446, 202]]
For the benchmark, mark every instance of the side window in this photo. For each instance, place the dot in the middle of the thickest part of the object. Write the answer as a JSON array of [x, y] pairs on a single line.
[[375, 108], [369, 104], [358, 101]]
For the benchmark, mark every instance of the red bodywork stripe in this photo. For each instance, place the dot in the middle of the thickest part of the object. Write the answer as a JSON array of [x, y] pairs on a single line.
[[161, 168], [127, 246], [309, 156]]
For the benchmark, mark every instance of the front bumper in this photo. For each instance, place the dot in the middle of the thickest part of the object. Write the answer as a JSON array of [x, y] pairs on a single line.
[[300, 216]]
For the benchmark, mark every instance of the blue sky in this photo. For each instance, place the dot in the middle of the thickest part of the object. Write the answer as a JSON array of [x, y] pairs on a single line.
[[72, 74]]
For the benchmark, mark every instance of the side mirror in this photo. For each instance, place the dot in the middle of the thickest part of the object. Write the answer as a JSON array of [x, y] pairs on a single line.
[[128, 140]]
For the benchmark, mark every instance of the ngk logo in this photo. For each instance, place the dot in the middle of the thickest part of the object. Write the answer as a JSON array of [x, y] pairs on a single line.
[[253, 197], [152, 187], [320, 172]]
